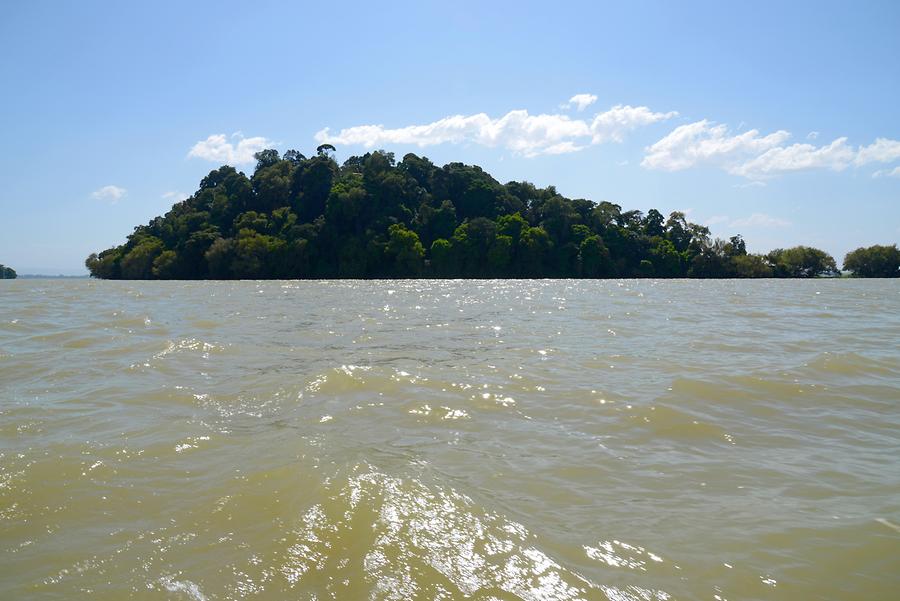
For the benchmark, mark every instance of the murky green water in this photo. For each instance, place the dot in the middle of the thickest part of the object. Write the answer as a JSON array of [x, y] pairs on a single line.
[[537, 440]]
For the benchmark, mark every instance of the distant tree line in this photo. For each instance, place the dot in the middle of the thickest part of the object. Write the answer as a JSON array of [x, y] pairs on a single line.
[[308, 217], [7, 273]]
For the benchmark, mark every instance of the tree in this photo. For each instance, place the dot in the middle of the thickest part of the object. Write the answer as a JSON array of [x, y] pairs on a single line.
[[436, 223], [137, 264], [294, 157], [405, 250], [653, 223], [666, 260], [557, 217], [325, 150], [534, 248], [8, 273], [801, 262], [499, 255], [443, 260], [751, 266], [710, 262], [346, 204], [594, 258], [272, 184], [512, 226], [256, 255], [678, 231], [419, 168], [106, 264], [312, 183], [266, 158], [471, 241], [165, 265], [219, 257], [735, 247], [874, 262]]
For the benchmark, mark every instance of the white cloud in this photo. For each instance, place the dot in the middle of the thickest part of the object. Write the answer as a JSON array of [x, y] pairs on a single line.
[[174, 196], [759, 220], [880, 151], [796, 157], [619, 120], [757, 157], [218, 149], [702, 143], [111, 193], [580, 101], [812, 135], [517, 130], [895, 172]]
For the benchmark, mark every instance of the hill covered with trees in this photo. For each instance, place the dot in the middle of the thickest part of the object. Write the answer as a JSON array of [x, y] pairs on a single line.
[[372, 217]]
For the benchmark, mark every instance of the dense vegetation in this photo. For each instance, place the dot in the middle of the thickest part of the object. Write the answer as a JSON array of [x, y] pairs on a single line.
[[874, 262], [300, 217], [7, 273]]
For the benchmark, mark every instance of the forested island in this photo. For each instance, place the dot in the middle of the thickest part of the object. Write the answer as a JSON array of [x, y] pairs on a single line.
[[7, 273], [309, 217]]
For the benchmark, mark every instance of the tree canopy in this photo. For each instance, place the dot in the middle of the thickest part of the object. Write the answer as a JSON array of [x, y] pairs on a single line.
[[7, 273], [874, 262], [372, 217]]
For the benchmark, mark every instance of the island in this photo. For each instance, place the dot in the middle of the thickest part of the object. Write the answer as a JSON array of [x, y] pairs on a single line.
[[304, 217], [7, 273]]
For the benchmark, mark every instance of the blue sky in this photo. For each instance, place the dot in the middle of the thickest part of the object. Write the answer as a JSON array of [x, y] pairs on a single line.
[[778, 120]]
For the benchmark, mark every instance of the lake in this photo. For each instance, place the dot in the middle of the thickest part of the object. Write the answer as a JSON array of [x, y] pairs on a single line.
[[630, 440]]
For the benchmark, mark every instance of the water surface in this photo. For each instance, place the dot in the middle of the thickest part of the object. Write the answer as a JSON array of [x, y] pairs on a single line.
[[491, 440]]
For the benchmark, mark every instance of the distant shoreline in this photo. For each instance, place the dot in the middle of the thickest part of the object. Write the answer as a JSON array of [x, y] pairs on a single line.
[[39, 276]]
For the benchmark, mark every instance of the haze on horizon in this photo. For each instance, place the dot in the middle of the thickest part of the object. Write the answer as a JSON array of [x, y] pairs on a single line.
[[776, 122]]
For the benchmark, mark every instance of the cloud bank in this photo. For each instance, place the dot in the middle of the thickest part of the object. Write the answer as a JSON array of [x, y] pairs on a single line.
[[751, 155], [755, 156], [517, 130]]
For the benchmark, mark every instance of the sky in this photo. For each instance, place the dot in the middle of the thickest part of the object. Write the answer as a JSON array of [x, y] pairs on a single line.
[[776, 120]]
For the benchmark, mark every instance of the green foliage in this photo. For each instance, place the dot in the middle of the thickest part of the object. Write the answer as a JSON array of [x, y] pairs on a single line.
[[256, 256], [653, 223], [443, 261], [801, 262], [499, 256], [272, 183], [219, 257], [405, 251], [666, 260], [874, 262], [751, 266], [165, 265], [137, 264], [594, 258], [534, 250], [300, 217], [7, 273]]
